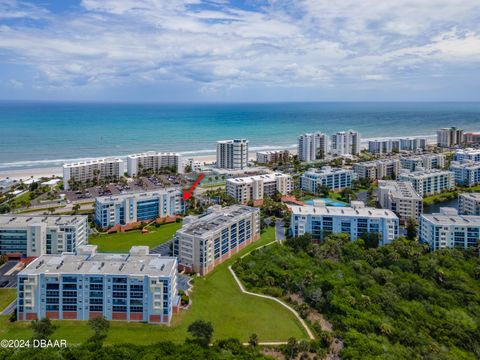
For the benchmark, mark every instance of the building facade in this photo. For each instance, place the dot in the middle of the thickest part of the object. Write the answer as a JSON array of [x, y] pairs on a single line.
[[345, 143], [449, 137], [254, 188], [466, 173], [320, 220], [471, 138], [80, 286], [312, 146], [92, 171], [273, 157], [136, 207], [429, 182], [462, 155], [389, 146], [469, 204], [401, 198], [35, 235], [377, 169], [232, 154], [154, 161], [205, 241], [334, 178], [426, 161], [447, 229]]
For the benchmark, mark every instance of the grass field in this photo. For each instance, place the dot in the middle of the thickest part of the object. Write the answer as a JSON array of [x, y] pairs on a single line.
[[122, 242], [6, 297], [215, 298]]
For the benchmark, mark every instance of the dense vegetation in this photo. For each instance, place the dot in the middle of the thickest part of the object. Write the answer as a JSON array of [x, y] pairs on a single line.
[[398, 301]]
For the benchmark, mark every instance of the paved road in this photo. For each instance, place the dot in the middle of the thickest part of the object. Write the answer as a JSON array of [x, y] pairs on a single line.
[[10, 308], [163, 249], [182, 282], [12, 277], [279, 230]]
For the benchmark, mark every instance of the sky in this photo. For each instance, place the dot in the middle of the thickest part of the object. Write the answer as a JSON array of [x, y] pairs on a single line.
[[231, 50]]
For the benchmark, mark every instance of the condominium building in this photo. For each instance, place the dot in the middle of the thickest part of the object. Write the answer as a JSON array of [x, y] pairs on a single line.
[[254, 188], [273, 157], [447, 229], [426, 162], [153, 161], [333, 178], [346, 143], [205, 241], [449, 137], [320, 220], [469, 203], [312, 146], [232, 154], [378, 169], [413, 144], [429, 182], [401, 198], [80, 286], [388, 146], [466, 173], [92, 171], [35, 235], [471, 138], [462, 155], [135, 207]]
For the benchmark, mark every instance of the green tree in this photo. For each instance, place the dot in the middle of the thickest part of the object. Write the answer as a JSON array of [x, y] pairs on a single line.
[[411, 229], [75, 208], [253, 340], [202, 332], [99, 325], [42, 329]]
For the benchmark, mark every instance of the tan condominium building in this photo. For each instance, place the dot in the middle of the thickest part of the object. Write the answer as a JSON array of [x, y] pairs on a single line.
[[273, 157], [378, 169], [469, 203], [205, 241], [401, 198], [254, 188], [91, 171], [154, 161]]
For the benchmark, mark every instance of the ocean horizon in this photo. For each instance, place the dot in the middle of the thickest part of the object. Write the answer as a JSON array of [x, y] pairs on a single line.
[[47, 134]]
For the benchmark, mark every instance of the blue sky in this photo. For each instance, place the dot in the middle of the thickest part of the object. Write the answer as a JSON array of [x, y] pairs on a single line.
[[252, 50]]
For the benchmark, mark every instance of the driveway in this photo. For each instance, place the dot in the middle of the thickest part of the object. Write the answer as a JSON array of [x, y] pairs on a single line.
[[279, 230]]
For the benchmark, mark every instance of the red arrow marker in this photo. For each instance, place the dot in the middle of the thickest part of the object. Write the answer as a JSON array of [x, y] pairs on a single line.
[[188, 194]]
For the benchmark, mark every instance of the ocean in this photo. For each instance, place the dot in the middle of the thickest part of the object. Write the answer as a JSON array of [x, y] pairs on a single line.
[[36, 134]]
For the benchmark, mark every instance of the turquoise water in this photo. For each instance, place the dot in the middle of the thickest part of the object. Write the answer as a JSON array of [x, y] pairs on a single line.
[[328, 202], [47, 134]]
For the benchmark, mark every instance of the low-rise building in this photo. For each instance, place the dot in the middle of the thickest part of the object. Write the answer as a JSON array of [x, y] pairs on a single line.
[[254, 188], [80, 286], [469, 203], [426, 161], [466, 173], [134, 207], [377, 169], [463, 155], [91, 172], [320, 220], [35, 235], [401, 198], [205, 241], [429, 182], [334, 178], [447, 229], [273, 157], [153, 161]]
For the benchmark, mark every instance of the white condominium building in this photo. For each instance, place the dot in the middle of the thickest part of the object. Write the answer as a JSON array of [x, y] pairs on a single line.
[[427, 162], [334, 178], [377, 169], [232, 154], [84, 172], [469, 203], [463, 155], [135, 207], [346, 143], [320, 220], [254, 188], [413, 144], [312, 146], [448, 137], [466, 173], [273, 157], [156, 161], [429, 182], [205, 241], [388, 146], [401, 198], [35, 235], [447, 229]]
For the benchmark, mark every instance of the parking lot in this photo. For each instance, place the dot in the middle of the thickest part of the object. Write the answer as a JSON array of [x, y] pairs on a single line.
[[8, 276]]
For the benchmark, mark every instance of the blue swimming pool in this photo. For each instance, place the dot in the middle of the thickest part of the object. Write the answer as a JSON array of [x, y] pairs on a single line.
[[328, 202]]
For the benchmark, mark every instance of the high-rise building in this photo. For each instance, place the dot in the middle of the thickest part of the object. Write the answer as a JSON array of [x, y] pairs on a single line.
[[346, 143], [469, 204], [429, 182], [254, 188], [154, 161], [232, 154], [205, 241], [35, 235], [401, 198], [449, 137], [80, 286], [334, 178], [471, 138], [377, 169], [312, 146]]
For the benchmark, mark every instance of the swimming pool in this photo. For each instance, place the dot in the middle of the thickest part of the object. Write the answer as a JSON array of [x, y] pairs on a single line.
[[328, 202]]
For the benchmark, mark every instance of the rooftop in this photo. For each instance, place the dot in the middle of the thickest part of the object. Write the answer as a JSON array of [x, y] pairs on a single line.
[[449, 216], [425, 173], [357, 210], [472, 196], [52, 220], [152, 153], [138, 195], [399, 189], [325, 171], [93, 161], [250, 179]]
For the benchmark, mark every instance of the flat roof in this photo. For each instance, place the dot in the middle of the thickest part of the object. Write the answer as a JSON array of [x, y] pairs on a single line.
[[93, 162], [473, 196], [401, 189], [265, 177], [152, 153], [451, 219], [343, 211], [138, 195], [52, 220], [326, 170], [425, 173]]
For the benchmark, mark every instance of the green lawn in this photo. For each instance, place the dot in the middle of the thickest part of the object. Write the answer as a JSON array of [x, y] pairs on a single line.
[[122, 242], [215, 298], [6, 297]]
